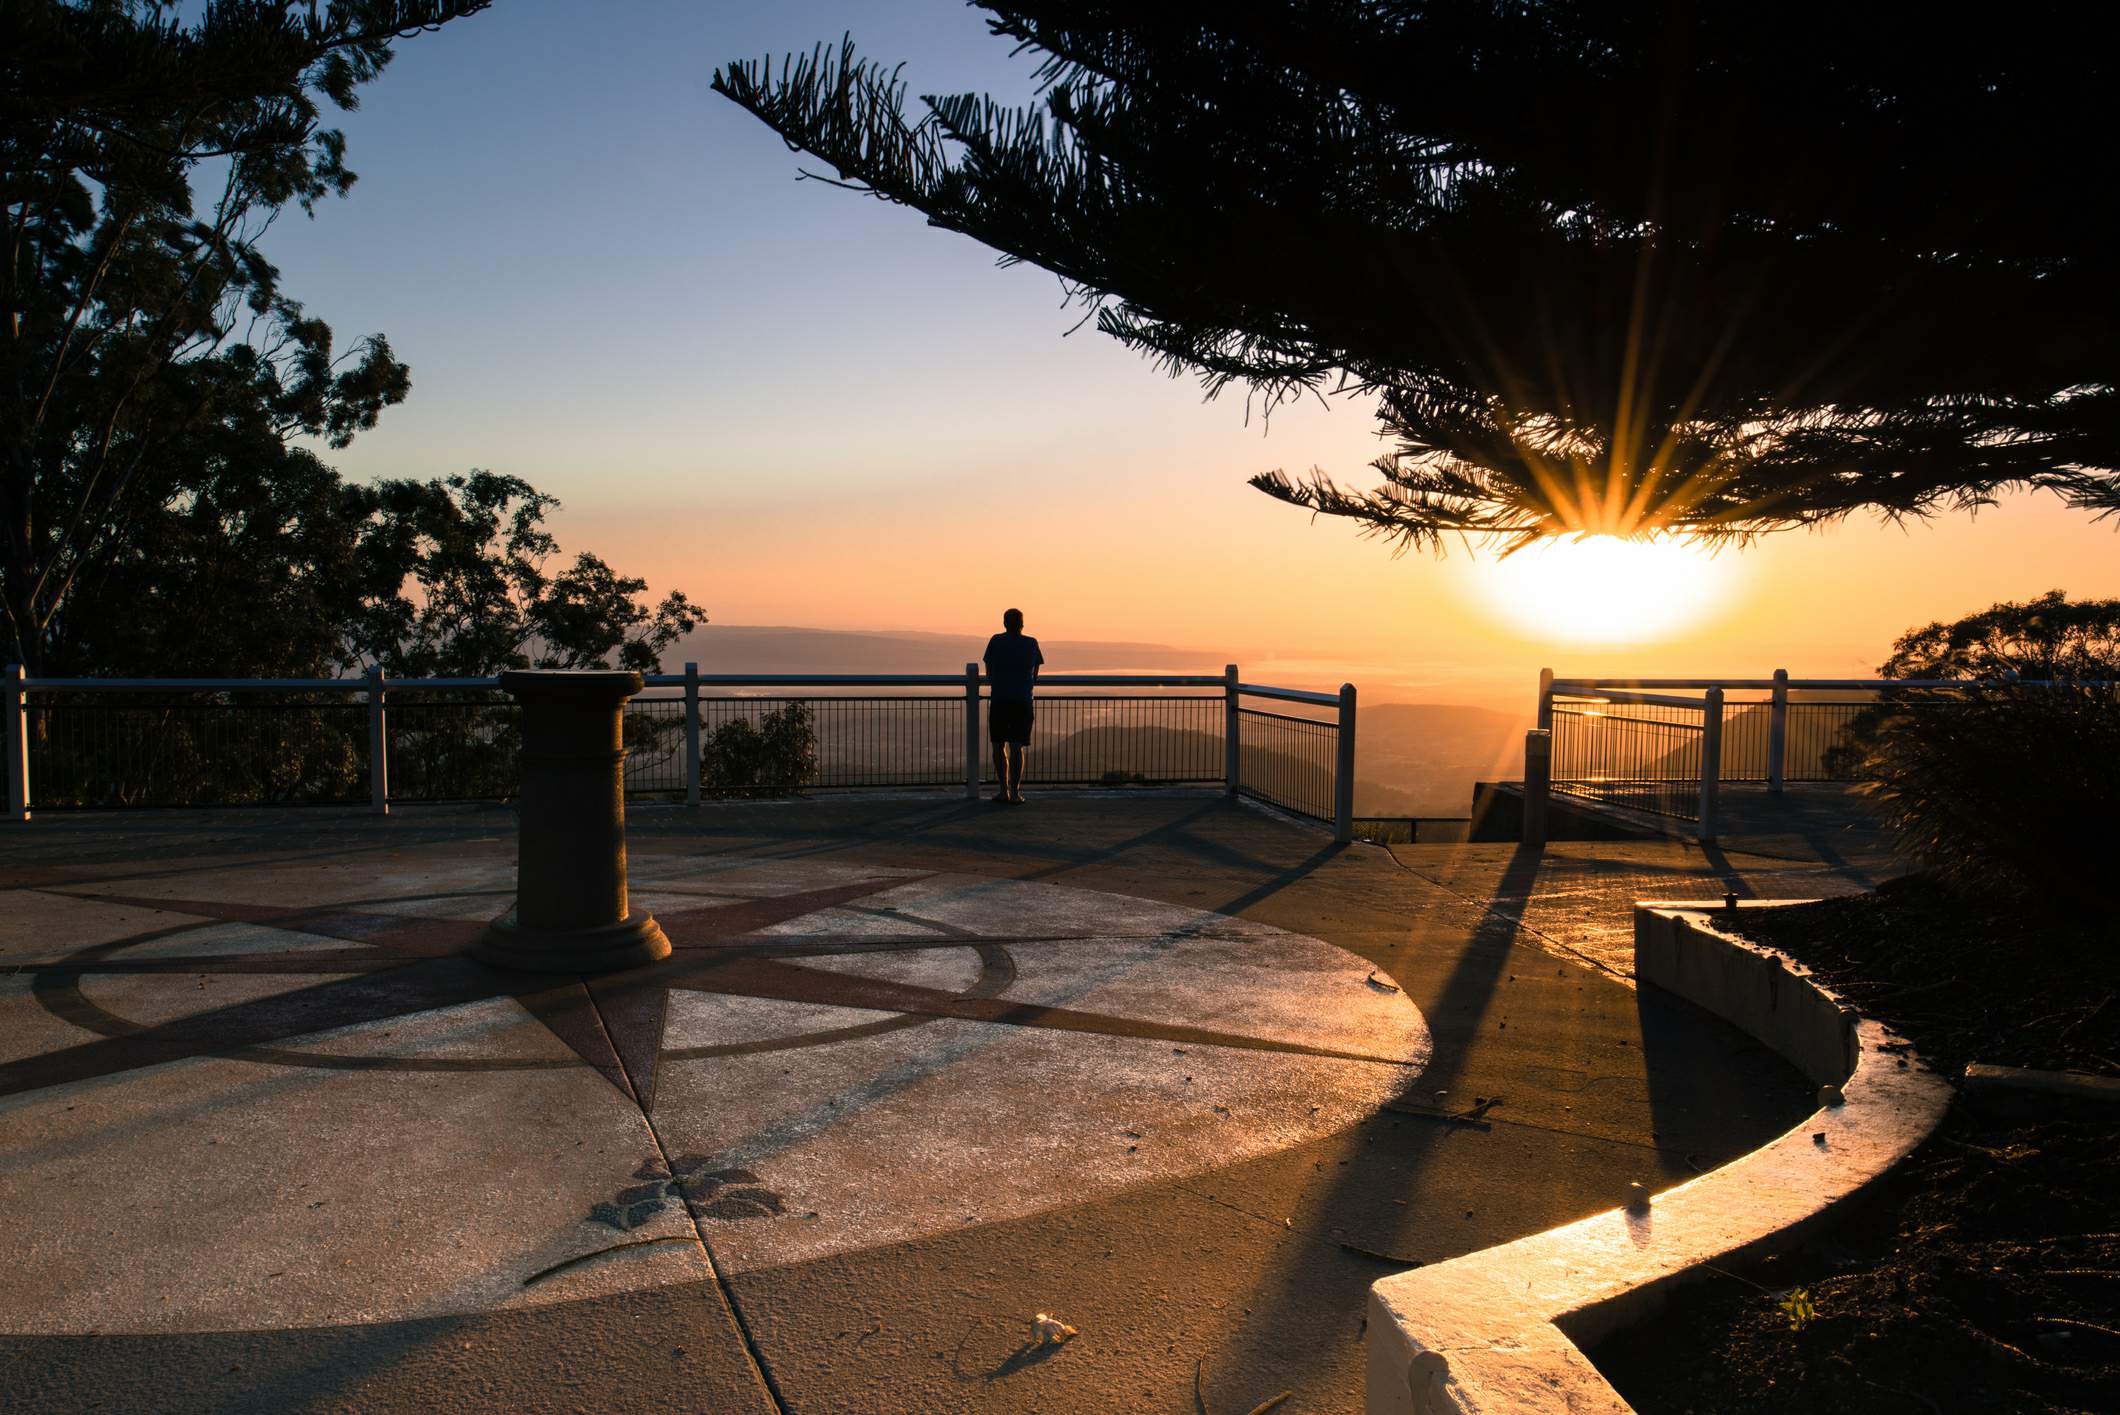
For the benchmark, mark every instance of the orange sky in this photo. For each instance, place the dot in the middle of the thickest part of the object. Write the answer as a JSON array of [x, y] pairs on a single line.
[[809, 408]]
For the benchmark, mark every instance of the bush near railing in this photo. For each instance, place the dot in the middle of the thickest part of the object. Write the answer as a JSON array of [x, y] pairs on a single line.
[[455, 749], [2015, 790], [775, 755], [100, 750]]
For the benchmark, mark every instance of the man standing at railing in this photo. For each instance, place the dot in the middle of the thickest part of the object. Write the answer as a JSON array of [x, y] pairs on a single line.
[[1012, 660]]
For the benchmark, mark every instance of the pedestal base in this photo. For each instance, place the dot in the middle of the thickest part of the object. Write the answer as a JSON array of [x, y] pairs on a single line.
[[627, 944]]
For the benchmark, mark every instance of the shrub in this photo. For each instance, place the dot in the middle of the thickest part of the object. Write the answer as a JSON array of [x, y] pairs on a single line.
[[1999, 786], [776, 754], [192, 749]]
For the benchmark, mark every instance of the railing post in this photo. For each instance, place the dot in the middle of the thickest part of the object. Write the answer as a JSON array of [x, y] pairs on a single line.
[[17, 709], [692, 734], [1778, 732], [1538, 784], [1232, 721], [1545, 700], [1711, 724], [1343, 776], [971, 732], [378, 744]]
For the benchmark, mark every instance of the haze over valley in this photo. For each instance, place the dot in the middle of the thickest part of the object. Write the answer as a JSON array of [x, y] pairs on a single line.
[[1413, 758]]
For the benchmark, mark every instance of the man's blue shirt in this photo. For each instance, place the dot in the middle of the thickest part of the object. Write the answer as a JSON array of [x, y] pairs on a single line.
[[1012, 662]]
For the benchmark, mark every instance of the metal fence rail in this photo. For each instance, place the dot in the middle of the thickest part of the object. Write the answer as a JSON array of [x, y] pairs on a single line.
[[1819, 737], [1083, 740], [458, 745], [1302, 762], [106, 743], [864, 740], [1630, 742], [1288, 760], [1642, 755], [130, 749]]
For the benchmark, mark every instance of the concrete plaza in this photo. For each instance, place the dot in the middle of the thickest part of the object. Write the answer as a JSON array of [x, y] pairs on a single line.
[[1178, 1071]]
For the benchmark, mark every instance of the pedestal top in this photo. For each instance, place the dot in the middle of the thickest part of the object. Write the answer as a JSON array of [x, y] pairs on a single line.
[[572, 685]]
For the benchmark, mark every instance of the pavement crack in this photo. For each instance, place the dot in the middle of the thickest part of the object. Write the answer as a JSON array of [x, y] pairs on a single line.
[[1278, 1225], [699, 1233]]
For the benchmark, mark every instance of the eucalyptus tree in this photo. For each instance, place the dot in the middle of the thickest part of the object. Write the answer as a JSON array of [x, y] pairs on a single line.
[[145, 148], [475, 594], [1608, 266], [274, 566]]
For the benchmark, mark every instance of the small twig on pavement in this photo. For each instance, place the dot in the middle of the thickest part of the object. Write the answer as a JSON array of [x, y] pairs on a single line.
[[1265, 1405], [1474, 1115], [1372, 981], [1199, 1400], [541, 1274], [1373, 1255], [955, 1369], [1710, 1267]]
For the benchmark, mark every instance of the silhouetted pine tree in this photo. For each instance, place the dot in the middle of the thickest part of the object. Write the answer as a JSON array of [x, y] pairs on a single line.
[[1610, 265]]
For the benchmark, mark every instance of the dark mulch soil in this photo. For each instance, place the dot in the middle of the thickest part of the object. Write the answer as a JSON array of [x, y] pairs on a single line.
[[2015, 990], [1984, 1275]]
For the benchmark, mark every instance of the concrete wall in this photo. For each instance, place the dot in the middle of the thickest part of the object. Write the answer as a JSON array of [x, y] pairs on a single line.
[[1496, 1332]]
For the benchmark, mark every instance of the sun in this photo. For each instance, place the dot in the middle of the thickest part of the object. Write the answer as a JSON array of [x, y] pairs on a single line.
[[1604, 590]]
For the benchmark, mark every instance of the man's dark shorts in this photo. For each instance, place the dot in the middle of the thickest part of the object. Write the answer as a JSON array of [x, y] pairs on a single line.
[[1009, 722]]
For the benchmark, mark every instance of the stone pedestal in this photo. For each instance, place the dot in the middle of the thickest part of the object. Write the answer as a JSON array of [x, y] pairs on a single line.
[[570, 913]]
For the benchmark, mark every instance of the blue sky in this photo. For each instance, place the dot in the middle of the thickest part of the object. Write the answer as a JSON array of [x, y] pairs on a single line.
[[597, 266], [808, 407]]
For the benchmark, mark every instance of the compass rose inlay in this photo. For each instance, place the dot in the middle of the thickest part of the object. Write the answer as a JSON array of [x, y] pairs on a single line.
[[883, 1052]]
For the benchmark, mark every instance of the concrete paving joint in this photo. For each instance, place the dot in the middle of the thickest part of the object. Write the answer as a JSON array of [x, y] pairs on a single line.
[[1497, 1332]]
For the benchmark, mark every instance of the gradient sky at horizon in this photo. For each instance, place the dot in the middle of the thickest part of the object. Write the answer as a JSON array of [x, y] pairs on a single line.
[[807, 407]]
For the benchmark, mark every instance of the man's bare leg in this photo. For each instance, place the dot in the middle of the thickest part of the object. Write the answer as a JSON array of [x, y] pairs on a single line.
[[1001, 787], [1015, 771]]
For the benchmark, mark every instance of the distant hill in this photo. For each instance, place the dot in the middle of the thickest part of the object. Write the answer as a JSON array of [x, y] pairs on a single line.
[[1120, 753], [1412, 759], [1421, 759], [744, 648]]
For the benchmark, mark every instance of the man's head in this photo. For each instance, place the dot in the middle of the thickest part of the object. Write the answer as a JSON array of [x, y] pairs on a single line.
[[1012, 620]]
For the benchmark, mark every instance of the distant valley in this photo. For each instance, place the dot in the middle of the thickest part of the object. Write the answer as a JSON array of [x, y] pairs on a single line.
[[1412, 759]]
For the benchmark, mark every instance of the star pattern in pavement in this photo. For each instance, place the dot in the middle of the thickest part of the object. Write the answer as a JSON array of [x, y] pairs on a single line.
[[399, 964]]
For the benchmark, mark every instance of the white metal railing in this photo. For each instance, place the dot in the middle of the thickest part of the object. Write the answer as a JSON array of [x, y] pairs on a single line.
[[1322, 788], [1674, 757]]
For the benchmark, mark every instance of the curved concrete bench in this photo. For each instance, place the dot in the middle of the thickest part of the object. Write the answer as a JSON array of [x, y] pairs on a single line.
[[1483, 1334]]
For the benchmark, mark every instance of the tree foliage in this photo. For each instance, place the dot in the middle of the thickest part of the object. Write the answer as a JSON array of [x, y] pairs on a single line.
[[145, 344], [278, 568], [2003, 783], [477, 597], [2005, 789], [772, 756], [1609, 266], [2051, 637]]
